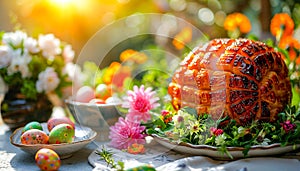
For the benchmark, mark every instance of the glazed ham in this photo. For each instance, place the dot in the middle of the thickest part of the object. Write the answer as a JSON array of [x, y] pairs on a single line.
[[239, 78]]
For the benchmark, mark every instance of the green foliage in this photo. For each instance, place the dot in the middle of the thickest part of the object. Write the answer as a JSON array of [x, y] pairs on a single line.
[[93, 75], [107, 156], [28, 89], [232, 135]]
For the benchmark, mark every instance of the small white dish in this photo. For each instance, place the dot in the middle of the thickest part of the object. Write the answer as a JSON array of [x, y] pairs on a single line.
[[99, 117], [83, 136]]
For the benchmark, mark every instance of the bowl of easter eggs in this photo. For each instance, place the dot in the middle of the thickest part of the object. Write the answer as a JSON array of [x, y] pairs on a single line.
[[58, 134], [95, 108]]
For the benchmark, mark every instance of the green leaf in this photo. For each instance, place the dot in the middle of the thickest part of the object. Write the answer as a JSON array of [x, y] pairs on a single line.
[[246, 150], [29, 90], [190, 110], [160, 123], [222, 120], [252, 37], [1, 34]]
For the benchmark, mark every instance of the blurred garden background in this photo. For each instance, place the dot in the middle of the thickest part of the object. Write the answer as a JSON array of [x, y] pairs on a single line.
[[76, 21], [117, 31]]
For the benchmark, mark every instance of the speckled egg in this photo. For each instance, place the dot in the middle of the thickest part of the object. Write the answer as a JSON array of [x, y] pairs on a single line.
[[47, 159], [32, 125], [34, 136], [62, 133], [56, 121]]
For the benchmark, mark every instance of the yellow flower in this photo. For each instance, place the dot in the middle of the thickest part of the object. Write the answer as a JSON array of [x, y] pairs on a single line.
[[183, 37], [237, 20]]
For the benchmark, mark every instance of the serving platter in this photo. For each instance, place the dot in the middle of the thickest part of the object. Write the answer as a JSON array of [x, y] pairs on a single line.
[[83, 136], [235, 152]]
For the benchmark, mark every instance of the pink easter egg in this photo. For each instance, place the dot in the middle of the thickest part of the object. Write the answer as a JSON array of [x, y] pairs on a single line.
[[56, 121], [85, 94]]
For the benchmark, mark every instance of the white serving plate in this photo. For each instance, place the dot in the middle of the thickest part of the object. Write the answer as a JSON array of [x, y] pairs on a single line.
[[236, 152]]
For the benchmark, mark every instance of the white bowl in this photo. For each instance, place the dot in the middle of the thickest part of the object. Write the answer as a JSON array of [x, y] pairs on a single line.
[[99, 117], [83, 136]]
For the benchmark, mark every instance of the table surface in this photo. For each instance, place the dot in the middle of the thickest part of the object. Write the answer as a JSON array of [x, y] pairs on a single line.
[[12, 158]]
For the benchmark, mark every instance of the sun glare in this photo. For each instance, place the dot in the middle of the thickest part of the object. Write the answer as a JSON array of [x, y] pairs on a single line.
[[65, 4], [62, 2]]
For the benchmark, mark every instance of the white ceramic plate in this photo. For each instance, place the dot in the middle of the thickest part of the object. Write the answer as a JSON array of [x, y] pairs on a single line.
[[236, 152], [83, 136]]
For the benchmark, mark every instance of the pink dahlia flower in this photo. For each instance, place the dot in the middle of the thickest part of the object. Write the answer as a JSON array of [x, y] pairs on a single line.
[[125, 133], [140, 102]]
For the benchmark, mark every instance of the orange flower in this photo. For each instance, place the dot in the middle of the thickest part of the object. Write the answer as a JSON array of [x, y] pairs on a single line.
[[133, 55], [113, 67], [237, 20], [298, 61], [120, 76], [136, 149], [183, 37], [282, 25], [294, 44], [291, 44]]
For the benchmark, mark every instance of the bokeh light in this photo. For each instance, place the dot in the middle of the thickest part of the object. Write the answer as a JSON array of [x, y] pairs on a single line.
[[206, 16]]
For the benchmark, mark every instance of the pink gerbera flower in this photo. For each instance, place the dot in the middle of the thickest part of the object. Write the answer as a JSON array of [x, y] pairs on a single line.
[[140, 102], [125, 133]]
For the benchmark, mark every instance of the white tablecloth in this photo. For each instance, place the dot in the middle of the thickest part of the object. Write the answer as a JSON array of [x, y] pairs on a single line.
[[168, 160]]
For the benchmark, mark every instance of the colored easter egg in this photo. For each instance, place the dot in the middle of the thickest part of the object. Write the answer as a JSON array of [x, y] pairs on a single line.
[[145, 167], [102, 91], [34, 136], [85, 94], [97, 101], [62, 133], [32, 125], [47, 159], [56, 121], [113, 100]]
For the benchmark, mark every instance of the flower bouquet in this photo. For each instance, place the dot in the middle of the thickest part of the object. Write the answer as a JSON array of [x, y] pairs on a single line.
[[36, 74]]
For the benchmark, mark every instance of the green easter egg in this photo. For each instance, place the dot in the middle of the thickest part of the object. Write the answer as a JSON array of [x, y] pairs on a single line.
[[142, 168], [32, 125], [62, 133]]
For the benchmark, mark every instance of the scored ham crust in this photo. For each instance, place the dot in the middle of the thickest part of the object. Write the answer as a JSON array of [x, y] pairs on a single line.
[[240, 78]]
